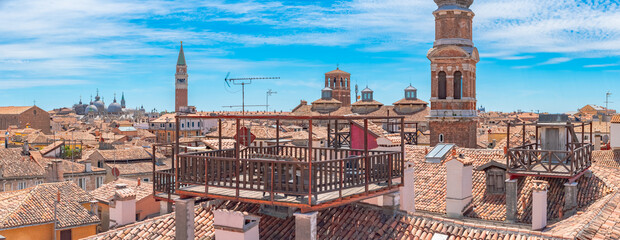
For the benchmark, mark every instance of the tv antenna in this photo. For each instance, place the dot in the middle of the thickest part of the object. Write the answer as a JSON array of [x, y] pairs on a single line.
[[267, 99], [243, 82]]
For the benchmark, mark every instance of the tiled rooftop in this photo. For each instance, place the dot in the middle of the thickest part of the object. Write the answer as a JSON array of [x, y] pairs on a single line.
[[106, 191], [35, 205]]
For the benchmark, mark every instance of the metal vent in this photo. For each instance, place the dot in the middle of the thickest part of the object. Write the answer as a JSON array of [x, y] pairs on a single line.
[[439, 152]]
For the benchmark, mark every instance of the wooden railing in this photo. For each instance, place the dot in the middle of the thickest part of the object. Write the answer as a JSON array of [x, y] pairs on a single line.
[[531, 160], [262, 170], [163, 182]]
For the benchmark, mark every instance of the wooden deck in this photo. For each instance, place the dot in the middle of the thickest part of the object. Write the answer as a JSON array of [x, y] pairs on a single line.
[[318, 199]]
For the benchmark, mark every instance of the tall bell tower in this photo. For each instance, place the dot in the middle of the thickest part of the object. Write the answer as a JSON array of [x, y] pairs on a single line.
[[453, 117], [180, 83]]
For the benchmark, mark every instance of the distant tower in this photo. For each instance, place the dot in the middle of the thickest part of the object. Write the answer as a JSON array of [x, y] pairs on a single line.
[[180, 82], [123, 100], [340, 83], [453, 75]]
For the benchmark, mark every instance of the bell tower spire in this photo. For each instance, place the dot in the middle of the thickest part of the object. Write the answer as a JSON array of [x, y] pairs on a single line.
[[453, 75], [180, 81]]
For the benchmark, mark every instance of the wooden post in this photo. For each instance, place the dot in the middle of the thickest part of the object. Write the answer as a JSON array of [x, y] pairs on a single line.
[[176, 150], [328, 132], [336, 137], [367, 167], [277, 137], [536, 143], [219, 132], [237, 148], [309, 156], [583, 132], [154, 161], [508, 146], [591, 140], [402, 149], [523, 134]]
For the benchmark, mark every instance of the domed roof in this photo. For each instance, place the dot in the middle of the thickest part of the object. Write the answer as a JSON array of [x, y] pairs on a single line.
[[410, 88], [458, 3], [91, 109], [326, 89], [115, 107], [366, 90]]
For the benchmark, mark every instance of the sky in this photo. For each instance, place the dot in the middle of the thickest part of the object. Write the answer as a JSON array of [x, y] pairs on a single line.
[[536, 55]]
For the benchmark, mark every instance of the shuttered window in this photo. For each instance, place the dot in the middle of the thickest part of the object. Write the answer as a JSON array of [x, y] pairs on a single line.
[[496, 181]]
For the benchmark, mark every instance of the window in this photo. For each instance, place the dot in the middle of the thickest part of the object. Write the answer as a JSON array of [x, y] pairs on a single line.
[[192, 124], [37, 182], [496, 180], [145, 180], [198, 124], [21, 185], [458, 84], [441, 138], [82, 183], [65, 234], [441, 85], [98, 182], [182, 125], [100, 164]]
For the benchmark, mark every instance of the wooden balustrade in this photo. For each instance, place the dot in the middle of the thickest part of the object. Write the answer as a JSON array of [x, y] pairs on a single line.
[[284, 170], [527, 159]]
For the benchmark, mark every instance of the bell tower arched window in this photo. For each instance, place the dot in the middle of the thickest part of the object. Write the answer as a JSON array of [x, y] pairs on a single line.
[[441, 85], [458, 84]]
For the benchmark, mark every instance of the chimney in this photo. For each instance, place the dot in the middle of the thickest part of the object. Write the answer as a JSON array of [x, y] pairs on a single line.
[[26, 148], [458, 186], [54, 172], [184, 214], [123, 205], [570, 198], [407, 191], [539, 205], [597, 140], [235, 225], [305, 226], [512, 197], [88, 167], [94, 207], [138, 182]]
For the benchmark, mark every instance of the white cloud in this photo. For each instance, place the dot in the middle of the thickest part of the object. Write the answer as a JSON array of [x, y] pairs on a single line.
[[555, 61], [601, 65], [15, 83]]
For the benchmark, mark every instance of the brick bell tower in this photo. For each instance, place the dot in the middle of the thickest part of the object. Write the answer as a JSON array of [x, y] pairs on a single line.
[[453, 117], [340, 83], [180, 95]]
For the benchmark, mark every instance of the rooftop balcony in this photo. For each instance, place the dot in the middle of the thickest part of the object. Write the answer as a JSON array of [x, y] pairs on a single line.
[[309, 178], [557, 153]]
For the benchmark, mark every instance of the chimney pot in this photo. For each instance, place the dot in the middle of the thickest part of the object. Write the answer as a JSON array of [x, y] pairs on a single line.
[[138, 182]]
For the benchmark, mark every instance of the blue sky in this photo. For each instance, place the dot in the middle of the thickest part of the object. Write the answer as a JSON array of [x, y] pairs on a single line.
[[547, 55]]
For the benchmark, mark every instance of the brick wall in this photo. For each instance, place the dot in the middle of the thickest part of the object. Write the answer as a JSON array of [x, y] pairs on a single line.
[[460, 132]]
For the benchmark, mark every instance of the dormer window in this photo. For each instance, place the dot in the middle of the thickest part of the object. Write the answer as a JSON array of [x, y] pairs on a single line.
[[495, 172], [496, 181]]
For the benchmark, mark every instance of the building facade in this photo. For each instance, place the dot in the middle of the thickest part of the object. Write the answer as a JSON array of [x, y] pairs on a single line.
[[340, 83], [25, 117], [453, 75], [180, 83]]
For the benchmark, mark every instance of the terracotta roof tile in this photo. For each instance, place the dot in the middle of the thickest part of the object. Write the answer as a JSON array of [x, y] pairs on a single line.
[[35, 205]]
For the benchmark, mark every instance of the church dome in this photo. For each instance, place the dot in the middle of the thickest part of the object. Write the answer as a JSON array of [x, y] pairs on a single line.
[[458, 3], [115, 107], [91, 109]]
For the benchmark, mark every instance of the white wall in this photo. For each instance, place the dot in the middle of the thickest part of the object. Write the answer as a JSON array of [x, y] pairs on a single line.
[[124, 212], [615, 135]]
